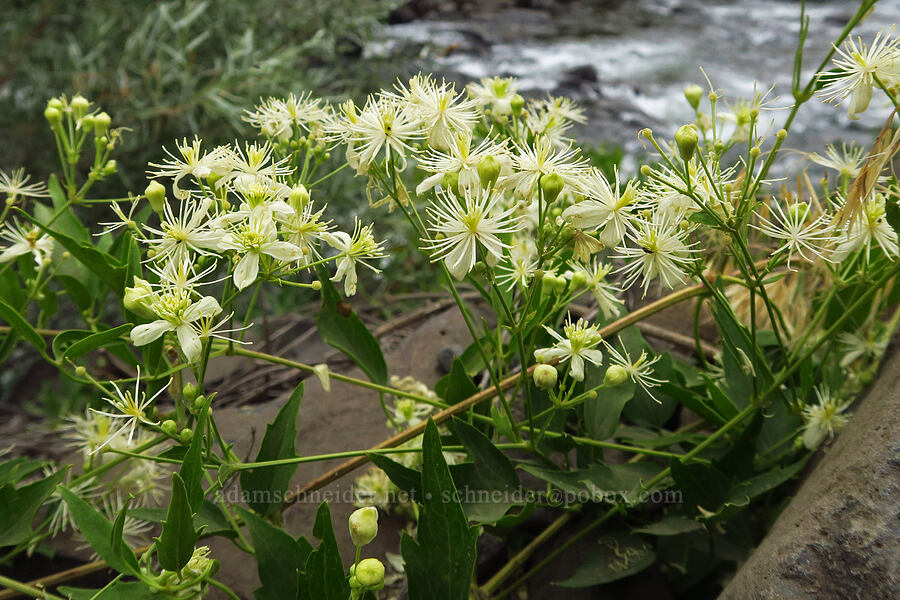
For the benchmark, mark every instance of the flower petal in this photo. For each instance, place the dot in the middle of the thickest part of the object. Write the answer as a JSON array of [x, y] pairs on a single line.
[[144, 334]]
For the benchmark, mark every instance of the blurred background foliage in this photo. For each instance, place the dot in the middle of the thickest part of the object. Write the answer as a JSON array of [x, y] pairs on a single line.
[[172, 68]]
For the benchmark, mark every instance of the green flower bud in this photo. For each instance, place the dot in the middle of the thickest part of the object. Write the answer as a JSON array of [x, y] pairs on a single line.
[[109, 168], [212, 178], [169, 426], [615, 375], [79, 105], [544, 377], [488, 171], [686, 139], [579, 280], [450, 182], [56, 103], [755, 151], [186, 435], [369, 574], [101, 123], [87, 123], [53, 116], [198, 403], [363, 525], [156, 195], [693, 93], [798, 211], [551, 185], [646, 170], [298, 198], [780, 134], [516, 104], [189, 392], [101, 142], [137, 299], [80, 371]]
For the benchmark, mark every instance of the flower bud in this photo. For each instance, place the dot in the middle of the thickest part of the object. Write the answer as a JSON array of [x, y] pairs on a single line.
[[369, 574], [101, 123], [87, 123], [686, 139], [615, 375], [780, 134], [156, 195], [516, 104], [693, 93], [450, 182], [298, 198], [646, 170], [53, 116], [109, 168], [488, 171], [55, 103], [579, 280], [363, 524], [551, 185], [212, 177], [797, 212], [544, 377], [198, 403], [137, 299], [80, 371], [79, 105], [189, 392], [169, 426], [186, 435]]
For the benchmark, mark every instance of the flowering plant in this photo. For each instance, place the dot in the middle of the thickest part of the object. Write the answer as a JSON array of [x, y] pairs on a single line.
[[798, 282]]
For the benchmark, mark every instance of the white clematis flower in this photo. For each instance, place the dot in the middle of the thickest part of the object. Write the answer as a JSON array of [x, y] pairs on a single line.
[[253, 239]]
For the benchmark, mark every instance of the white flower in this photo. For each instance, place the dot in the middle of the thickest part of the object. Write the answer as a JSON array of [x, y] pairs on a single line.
[[89, 432], [861, 345], [798, 230], [384, 124], [192, 161], [16, 185], [531, 162], [130, 408], [276, 118], [440, 110], [661, 252], [868, 225], [359, 247], [253, 239], [603, 209], [846, 161], [23, 241], [459, 158], [857, 67], [303, 229], [603, 291], [124, 220], [639, 371], [578, 346], [823, 419], [495, 91], [462, 228], [254, 166], [521, 267], [177, 311], [189, 231]]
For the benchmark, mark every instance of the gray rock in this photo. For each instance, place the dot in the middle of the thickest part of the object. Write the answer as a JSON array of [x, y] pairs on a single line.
[[838, 537]]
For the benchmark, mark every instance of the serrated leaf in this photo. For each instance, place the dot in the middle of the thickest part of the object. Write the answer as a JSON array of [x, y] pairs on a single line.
[[344, 331], [616, 555], [22, 327], [175, 545], [278, 558], [265, 487], [440, 563], [324, 577], [98, 531]]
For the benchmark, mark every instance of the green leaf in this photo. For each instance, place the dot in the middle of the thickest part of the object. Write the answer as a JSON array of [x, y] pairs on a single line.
[[13, 471], [340, 328], [99, 263], [175, 545], [76, 290], [501, 423], [892, 213], [456, 386], [98, 531], [265, 487], [671, 525], [191, 470], [408, 480], [487, 485], [764, 482], [66, 220], [602, 414], [324, 577], [615, 556], [22, 327], [702, 485], [278, 558], [441, 562], [18, 507], [119, 547], [96, 340]]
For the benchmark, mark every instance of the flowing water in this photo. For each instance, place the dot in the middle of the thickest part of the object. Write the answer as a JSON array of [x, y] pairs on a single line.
[[627, 62]]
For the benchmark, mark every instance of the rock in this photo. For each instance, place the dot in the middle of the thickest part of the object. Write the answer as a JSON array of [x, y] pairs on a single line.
[[838, 537]]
